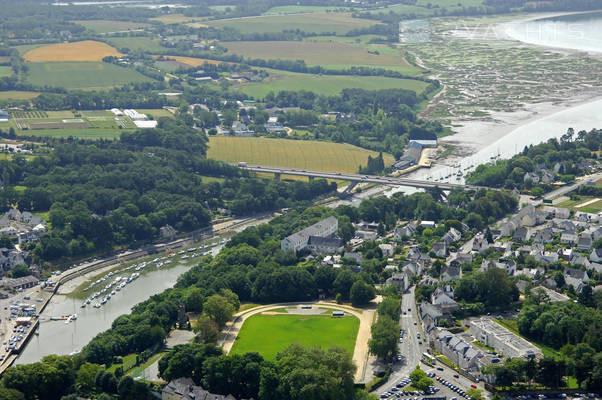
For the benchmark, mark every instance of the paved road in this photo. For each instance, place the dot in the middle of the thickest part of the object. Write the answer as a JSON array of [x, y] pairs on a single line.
[[383, 180], [569, 188]]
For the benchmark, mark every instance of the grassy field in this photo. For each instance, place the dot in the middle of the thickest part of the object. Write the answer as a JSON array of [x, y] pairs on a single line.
[[104, 26], [139, 43], [84, 133], [340, 23], [270, 334], [82, 75], [17, 95], [302, 154], [175, 19], [5, 71], [88, 50], [325, 84], [428, 7], [316, 53]]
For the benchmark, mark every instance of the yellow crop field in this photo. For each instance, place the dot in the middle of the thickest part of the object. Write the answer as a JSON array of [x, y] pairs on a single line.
[[302, 154], [192, 61], [88, 50]]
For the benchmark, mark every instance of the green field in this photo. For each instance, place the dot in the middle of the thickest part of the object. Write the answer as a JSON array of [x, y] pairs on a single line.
[[17, 95], [90, 133], [302, 154], [428, 7], [270, 334], [339, 23], [319, 52], [325, 84], [82, 75], [5, 71], [103, 26], [139, 43]]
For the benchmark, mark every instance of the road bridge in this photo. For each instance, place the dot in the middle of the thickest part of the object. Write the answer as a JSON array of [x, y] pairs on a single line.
[[357, 178]]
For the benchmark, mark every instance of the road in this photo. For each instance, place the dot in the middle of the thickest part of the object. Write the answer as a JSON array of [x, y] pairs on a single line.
[[382, 180], [569, 188]]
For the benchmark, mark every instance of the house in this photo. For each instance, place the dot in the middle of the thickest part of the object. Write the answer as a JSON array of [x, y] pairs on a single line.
[[366, 235], [569, 238], [566, 254], [547, 176], [32, 235], [546, 257], [580, 260], [20, 283], [299, 241], [357, 257], [273, 126], [596, 255], [432, 311], [406, 231], [451, 273], [185, 389], [324, 245], [532, 176], [508, 228], [479, 243], [584, 243], [557, 212], [543, 236], [427, 224], [440, 249], [241, 129], [457, 350], [586, 217], [575, 278], [457, 259], [509, 267], [401, 280], [413, 268], [452, 236], [410, 157], [444, 298], [387, 249]]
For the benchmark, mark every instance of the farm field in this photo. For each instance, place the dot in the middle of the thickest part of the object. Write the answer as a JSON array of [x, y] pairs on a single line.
[[270, 334], [302, 9], [17, 95], [325, 84], [428, 7], [315, 53], [339, 23], [82, 75], [84, 133], [5, 71], [192, 61], [155, 112], [302, 154], [88, 50], [138, 43], [175, 19], [104, 26]]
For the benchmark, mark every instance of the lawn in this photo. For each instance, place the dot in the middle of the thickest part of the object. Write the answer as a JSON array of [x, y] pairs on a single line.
[[339, 23], [88, 50], [5, 71], [175, 19], [270, 334], [84, 133], [328, 85], [301, 9], [129, 362], [82, 75], [104, 26], [302, 154], [317, 53], [155, 112]]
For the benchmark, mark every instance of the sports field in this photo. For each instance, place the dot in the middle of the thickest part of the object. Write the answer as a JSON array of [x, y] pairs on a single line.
[[270, 334], [316, 53], [325, 84], [302, 154], [340, 23], [104, 26], [88, 50], [82, 75]]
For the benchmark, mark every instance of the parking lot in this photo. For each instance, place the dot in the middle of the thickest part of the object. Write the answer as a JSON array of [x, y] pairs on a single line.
[[441, 388]]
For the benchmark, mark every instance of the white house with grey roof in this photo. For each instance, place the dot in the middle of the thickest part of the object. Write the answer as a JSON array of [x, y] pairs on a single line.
[[300, 240]]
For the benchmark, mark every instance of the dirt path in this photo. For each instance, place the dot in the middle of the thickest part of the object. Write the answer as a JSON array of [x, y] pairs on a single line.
[[360, 352]]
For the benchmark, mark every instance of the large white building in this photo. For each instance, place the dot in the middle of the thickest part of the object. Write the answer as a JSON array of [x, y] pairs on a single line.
[[501, 339], [300, 240]]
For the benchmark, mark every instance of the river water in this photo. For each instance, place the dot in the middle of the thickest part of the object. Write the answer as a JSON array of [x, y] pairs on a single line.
[[57, 337], [575, 31]]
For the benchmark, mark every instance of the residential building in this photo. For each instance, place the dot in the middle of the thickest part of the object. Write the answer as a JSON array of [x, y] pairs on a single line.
[[457, 350], [185, 389], [20, 283], [575, 278], [596, 255], [440, 249], [387, 249], [406, 231], [401, 280], [451, 273], [452, 236], [501, 339], [299, 241]]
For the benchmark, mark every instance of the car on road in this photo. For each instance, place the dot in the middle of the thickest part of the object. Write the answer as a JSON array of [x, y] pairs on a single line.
[[456, 376], [473, 386], [439, 368]]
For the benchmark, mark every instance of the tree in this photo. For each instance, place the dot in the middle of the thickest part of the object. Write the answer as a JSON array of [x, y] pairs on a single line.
[[219, 309], [193, 301], [419, 379], [86, 375], [383, 341], [19, 271], [361, 293], [207, 330], [342, 284], [476, 394], [550, 372]]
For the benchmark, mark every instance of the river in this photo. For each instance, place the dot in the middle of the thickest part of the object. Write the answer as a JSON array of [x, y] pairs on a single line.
[[575, 31], [57, 337]]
